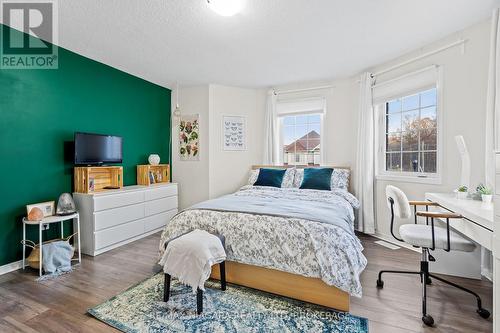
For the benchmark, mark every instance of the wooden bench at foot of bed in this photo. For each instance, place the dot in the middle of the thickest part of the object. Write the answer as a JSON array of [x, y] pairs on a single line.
[[295, 286]]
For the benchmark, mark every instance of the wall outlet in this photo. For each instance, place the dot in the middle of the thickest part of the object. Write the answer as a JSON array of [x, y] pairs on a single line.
[[46, 226]]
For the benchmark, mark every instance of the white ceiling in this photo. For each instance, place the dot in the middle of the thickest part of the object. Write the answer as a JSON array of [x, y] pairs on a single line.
[[271, 42]]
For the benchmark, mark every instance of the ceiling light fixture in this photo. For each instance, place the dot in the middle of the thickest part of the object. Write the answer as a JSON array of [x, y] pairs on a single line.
[[226, 7]]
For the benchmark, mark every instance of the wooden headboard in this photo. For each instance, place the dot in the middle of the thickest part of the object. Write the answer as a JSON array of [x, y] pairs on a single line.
[[254, 167]]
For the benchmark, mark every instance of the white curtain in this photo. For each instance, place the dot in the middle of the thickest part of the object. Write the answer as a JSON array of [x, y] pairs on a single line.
[[271, 149], [493, 101], [492, 120], [365, 161]]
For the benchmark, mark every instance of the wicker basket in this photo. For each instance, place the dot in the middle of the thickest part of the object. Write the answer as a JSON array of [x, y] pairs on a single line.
[[33, 259]]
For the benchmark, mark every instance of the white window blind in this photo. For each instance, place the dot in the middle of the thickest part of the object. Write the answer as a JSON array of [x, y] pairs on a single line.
[[302, 106], [405, 85]]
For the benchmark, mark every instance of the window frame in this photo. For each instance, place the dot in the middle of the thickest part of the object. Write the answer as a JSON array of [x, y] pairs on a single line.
[[380, 139], [280, 119]]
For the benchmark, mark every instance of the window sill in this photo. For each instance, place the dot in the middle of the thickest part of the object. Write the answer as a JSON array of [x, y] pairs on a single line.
[[410, 179]]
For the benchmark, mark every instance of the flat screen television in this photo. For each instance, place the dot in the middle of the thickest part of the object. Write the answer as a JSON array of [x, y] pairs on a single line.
[[97, 149]]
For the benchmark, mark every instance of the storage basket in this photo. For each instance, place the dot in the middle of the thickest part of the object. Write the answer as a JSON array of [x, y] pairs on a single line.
[[33, 259]]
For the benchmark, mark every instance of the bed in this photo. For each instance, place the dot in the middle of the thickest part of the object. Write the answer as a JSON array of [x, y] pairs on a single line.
[[288, 241]]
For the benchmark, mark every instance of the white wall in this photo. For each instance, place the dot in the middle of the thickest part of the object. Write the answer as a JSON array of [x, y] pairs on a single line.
[[464, 107], [465, 78], [192, 176], [229, 169], [464, 100], [218, 172]]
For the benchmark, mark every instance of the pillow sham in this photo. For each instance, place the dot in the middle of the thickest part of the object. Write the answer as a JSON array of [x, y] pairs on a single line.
[[288, 179], [317, 179], [252, 178], [270, 177], [340, 178]]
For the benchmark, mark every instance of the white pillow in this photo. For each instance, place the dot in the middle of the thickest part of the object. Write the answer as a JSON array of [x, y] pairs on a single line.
[[340, 178], [288, 178], [287, 182], [252, 178], [299, 176]]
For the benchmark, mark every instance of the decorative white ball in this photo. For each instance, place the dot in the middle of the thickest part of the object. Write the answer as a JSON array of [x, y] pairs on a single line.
[[154, 159]]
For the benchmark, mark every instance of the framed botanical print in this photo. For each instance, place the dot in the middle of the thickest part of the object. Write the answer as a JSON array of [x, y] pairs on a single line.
[[189, 138]]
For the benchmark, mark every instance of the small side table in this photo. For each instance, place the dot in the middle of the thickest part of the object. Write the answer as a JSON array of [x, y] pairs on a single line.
[[49, 220]]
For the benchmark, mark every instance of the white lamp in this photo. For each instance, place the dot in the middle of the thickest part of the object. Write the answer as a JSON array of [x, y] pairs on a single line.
[[464, 154], [226, 7], [177, 110]]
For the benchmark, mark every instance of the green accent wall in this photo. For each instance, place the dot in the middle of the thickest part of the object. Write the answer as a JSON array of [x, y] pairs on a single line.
[[39, 112]]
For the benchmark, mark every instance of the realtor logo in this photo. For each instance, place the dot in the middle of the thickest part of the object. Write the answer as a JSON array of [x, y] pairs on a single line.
[[29, 32]]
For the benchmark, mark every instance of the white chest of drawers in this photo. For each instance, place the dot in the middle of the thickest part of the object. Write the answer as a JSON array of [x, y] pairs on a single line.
[[113, 218]]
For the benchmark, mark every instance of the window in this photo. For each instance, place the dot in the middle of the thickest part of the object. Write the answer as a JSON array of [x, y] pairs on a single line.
[[301, 139], [408, 128], [299, 134], [411, 133]]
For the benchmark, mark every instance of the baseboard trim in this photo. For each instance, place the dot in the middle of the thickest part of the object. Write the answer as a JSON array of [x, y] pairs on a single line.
[[396, 242], [13, 266]]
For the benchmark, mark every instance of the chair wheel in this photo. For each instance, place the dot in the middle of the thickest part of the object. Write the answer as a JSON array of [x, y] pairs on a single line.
[[428, 320], [483, 313], [380, 284], [429, 281]]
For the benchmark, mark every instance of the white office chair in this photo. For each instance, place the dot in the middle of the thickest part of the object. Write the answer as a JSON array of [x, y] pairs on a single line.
[[428, 237]]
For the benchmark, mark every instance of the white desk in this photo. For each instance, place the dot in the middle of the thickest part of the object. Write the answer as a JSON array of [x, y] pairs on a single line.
[[476, 225]]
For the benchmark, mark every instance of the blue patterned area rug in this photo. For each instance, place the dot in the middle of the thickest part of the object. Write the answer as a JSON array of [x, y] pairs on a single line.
[[238, 309]]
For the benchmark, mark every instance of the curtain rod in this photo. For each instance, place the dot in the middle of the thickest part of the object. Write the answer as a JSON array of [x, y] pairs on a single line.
[[425, 55], [300, 90]]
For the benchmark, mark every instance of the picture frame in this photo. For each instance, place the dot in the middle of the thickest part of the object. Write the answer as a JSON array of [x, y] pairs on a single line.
[[91, 184], [234, 136], [48, 208], [189, 137]]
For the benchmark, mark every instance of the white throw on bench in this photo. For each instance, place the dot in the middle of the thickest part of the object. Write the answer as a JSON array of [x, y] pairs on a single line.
[[189, 258]]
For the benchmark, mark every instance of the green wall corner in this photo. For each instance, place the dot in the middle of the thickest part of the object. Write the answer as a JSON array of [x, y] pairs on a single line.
[[40, 109]]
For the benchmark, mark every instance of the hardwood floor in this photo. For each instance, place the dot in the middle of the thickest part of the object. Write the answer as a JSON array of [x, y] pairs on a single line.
[[60, 305], [397, 307]]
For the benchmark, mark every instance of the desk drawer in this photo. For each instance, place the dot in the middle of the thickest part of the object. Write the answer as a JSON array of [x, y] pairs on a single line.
[[158, 221], [118, 234], [117, 200], [111, 217], [161, 192], [160, 205], [473, 231]]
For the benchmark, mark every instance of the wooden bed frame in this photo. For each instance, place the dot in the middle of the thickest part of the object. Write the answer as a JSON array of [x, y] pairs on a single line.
[[312, 290]]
